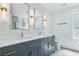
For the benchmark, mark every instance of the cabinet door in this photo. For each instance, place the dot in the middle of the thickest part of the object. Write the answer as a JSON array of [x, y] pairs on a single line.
[[22, 49], [29, 53], [32, 48], [51, 48], [0, 52], [42, 50], [32, 51], [42, 47], [27, 48]]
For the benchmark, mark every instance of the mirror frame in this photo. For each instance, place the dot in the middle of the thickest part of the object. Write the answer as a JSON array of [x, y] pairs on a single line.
[[11, 16]]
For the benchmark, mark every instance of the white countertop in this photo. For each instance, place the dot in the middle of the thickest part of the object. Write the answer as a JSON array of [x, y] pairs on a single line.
[[10, 41]]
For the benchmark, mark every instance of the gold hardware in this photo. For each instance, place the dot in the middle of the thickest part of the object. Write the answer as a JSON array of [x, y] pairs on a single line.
[[3, 8], [22, 34]]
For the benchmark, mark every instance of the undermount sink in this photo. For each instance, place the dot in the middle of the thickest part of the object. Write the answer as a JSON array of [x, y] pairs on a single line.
[[26, 37]]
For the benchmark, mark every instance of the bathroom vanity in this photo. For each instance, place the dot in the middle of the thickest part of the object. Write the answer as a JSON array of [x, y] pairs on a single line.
[[42, 46]]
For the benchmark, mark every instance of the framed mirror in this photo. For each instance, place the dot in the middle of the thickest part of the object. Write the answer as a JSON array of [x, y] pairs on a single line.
[[20, 16], [38, 20]]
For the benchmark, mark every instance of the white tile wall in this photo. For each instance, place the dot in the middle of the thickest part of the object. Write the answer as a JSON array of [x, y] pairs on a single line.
[[6, 31], [64, 32]]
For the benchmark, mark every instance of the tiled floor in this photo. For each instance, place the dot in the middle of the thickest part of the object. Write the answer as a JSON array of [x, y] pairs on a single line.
[[65, 52]]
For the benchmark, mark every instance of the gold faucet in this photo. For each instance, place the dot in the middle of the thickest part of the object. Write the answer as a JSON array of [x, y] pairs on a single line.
[[39, 33], [22, 34]]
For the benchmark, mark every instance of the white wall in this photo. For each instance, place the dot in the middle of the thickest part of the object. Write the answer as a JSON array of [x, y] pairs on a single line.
[[5, 29], [64, 32]]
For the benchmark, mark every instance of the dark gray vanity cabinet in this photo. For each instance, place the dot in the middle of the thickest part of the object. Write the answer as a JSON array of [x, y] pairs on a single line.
[[39, 47]]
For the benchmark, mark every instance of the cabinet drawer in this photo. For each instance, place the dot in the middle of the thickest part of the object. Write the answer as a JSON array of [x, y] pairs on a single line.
[[36, 42], [32, 43], [51, 38], [10, 53], [9, 50]]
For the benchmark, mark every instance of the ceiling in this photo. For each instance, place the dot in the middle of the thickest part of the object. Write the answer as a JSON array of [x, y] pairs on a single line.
[[58, 6]]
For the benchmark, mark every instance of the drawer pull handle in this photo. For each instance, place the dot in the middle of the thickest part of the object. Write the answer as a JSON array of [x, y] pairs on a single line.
[[30, 45], [42, 42], [41, 46], [10, 53]]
